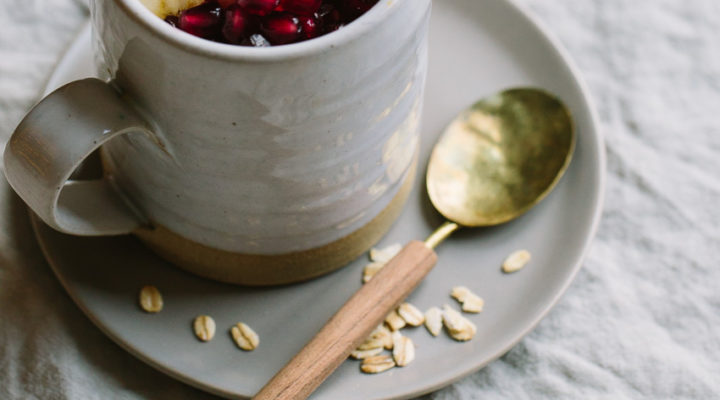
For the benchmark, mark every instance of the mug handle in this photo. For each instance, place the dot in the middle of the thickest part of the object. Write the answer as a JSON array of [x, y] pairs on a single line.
[[56, 136]]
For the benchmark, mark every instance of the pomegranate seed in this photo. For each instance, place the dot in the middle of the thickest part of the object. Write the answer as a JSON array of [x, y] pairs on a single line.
[[237, 24], [226, 3], [202, 21], [304, 8], [281, 28], [355, 8], [310, 27], [328, 17], [258, 7], [361, 5]]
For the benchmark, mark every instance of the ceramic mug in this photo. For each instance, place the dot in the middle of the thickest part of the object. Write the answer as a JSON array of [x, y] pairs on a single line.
[[246, 165]]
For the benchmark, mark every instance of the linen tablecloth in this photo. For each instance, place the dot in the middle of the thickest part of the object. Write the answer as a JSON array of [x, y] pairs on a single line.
[[642, 319]]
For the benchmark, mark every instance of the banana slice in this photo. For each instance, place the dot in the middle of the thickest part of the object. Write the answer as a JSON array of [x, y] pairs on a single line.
[[163, 8]]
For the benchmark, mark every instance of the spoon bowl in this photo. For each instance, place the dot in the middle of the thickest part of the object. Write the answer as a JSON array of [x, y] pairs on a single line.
[[500, 157]]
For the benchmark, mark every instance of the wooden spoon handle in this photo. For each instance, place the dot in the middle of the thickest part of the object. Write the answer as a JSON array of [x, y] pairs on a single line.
[[349, 327]]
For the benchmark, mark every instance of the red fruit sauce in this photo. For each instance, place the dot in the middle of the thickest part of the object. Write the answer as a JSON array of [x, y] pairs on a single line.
[[261, 23]]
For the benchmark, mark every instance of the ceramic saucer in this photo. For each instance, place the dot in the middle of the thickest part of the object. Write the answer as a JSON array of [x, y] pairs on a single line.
[[476, 48]]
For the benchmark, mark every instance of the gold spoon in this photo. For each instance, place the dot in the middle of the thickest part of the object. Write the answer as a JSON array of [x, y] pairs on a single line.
[[494, 162]]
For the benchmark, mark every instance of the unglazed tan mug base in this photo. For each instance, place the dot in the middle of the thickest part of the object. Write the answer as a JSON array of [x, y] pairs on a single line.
[[266, 270]]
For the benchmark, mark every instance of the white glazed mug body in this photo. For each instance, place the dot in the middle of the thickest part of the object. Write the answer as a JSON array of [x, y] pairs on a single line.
[[229, 160]]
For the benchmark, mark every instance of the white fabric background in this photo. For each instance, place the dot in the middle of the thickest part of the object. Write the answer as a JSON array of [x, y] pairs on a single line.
[[642, 320]]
